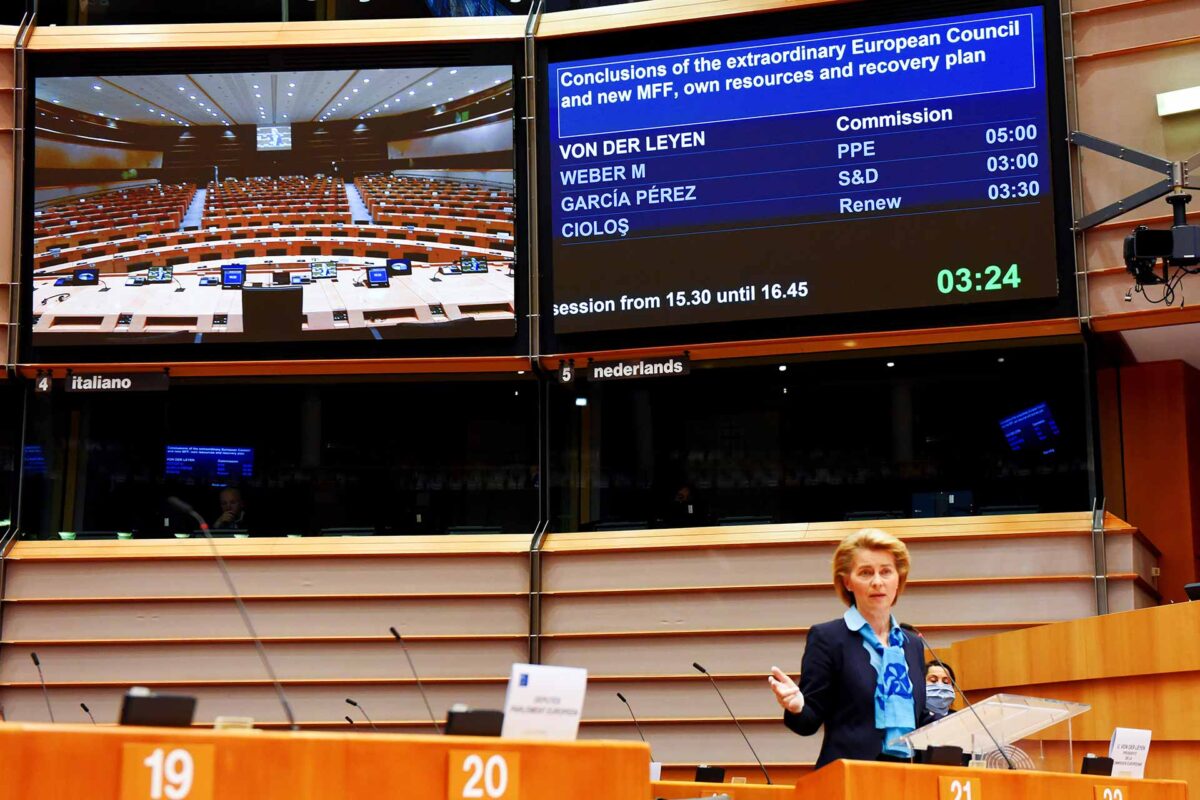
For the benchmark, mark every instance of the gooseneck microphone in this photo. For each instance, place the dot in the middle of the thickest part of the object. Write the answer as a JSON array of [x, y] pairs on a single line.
[[347, 718], [88, 711], [362, 711], [636, 724], [417, 678], [42, 681], [913, 630], [241, 607], [733, 716]]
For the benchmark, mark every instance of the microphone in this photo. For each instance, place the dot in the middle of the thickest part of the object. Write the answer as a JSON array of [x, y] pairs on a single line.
[[362, 711], [347, 718], [420, 688], [621, 697], [88, 711], [241, 607], [42, 680], [733, 716], [913, 630]]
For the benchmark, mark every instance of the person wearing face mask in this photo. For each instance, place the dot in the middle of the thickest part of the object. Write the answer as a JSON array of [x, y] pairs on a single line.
[[939, 688], [861, 674]]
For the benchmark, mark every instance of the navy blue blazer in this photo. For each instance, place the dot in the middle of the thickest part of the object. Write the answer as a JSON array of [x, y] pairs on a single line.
[[838, 683]]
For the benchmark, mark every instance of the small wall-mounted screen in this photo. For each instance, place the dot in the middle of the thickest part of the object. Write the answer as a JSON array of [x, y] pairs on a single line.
[[274, 137]]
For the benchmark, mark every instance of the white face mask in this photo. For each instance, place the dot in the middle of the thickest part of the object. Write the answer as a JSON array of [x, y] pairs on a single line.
[[938, 697]]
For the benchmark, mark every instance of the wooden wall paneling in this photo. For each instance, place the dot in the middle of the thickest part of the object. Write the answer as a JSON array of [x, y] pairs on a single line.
[[967, 602], [1161, 444], [103, 616], [1111, 646], [1112, 456], [674, 656], [1135, 78], [385, 703], [657, 12], [1135, 25], [347, 616], [8, 180], [183, 661], [276, 34], [789, 564], [267, 577]]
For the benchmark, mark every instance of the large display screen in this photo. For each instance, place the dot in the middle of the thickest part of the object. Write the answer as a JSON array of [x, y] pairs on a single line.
[[189, 209], [886, 167]]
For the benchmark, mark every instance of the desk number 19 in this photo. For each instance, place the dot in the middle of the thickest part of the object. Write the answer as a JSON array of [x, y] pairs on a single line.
[[170, 774]]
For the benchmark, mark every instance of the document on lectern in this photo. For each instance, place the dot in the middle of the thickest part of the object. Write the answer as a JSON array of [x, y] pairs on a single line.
[[544, 702]]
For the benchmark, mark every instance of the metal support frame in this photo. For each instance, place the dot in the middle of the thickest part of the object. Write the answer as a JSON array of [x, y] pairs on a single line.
[[20, 98], [535, 591], [529, 83], [1100, 558], [1174, 177]]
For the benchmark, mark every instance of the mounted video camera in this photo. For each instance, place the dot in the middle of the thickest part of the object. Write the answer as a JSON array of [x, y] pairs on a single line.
[[1178, 246]]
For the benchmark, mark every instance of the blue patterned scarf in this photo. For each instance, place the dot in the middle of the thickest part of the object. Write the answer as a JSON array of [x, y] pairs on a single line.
[[893, 690]]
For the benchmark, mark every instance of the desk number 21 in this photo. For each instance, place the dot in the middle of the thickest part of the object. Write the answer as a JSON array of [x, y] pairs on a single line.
[[171, 774], [951, 788]]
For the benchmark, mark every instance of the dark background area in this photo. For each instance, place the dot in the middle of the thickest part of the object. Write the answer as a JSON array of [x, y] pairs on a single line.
[[848, 438], [821, 441]]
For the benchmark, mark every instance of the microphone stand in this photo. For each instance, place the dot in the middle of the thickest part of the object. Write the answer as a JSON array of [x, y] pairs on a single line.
[[42, 680], [913, 629], [733, 716], [636, 724], [241, 607]]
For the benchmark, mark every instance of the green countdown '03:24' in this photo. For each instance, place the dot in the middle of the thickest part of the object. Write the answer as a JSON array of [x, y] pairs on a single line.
[[991, 278]]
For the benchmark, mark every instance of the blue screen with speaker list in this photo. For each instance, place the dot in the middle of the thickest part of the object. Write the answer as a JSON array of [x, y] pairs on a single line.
[[894, 166]]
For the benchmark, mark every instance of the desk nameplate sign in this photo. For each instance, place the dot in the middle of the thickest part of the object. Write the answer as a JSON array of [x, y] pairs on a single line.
[[544, 702], [1128, 749]]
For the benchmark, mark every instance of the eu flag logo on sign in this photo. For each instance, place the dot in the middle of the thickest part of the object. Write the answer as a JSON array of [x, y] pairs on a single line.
[[524, 679]]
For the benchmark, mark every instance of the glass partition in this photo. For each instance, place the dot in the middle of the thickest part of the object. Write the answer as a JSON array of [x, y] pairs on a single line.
[[286, 458], [877, 437]]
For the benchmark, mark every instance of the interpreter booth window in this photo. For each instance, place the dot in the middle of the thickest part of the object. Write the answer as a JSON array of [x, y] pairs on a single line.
[[305, 458], [880, 436], [12, 394]]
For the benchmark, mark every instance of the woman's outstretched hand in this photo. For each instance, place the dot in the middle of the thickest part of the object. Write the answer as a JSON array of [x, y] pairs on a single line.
[[787, 693]]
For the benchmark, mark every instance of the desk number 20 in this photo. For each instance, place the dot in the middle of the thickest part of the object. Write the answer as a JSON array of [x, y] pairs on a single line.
[[171, 774], [493, 774]]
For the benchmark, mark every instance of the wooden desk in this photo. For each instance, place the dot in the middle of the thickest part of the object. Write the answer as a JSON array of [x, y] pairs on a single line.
[[674, 790], [1137, 669], [867, 780], [82, 761]]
